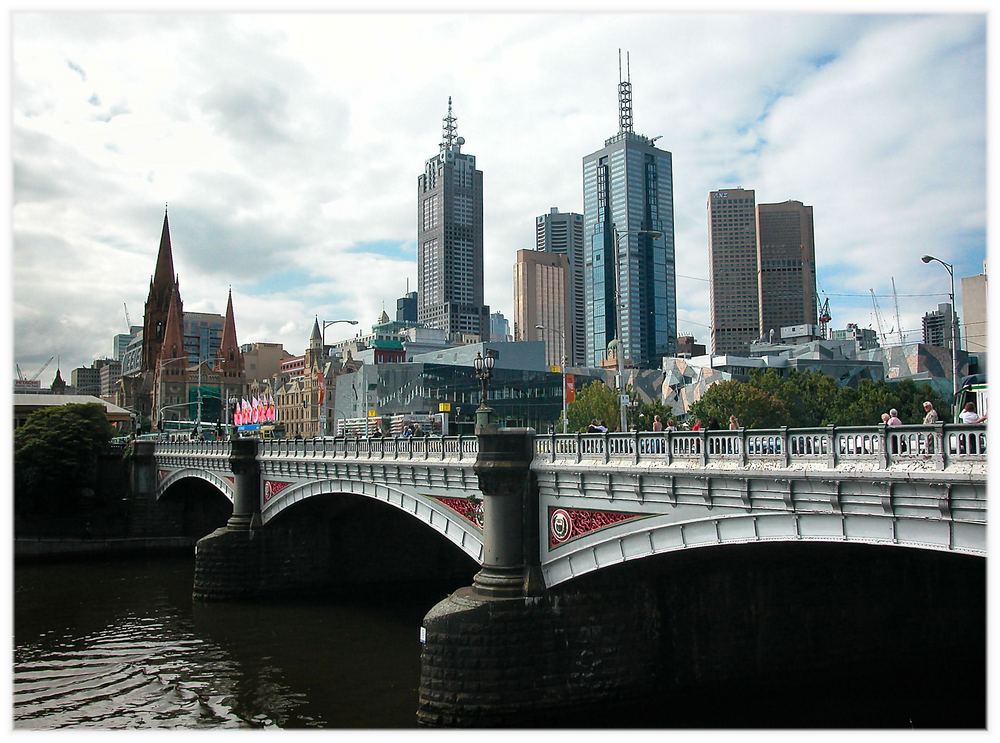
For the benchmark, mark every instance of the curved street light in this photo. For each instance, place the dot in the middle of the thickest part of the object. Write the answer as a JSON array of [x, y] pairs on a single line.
[[326, 324], [562, 336], [954, 325], [620, 353]]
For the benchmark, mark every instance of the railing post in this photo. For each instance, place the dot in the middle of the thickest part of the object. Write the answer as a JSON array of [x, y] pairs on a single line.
[[607, 453], [552, 457], [743, 446], [939, 443], [670, 446], [786, 450], [834, 458], [885, 459], [635, 455], [704, 447], [579, 448]]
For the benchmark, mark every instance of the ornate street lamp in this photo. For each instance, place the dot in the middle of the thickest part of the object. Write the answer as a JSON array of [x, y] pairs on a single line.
[[954, 326], [484, 371], [620, 351]]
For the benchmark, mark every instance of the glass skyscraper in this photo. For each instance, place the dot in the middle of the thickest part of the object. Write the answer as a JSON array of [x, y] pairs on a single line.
[[628, 185]]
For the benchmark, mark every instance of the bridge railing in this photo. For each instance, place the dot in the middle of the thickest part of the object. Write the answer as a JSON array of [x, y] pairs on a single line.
[[876, 446], [373, 447], [195, 448]]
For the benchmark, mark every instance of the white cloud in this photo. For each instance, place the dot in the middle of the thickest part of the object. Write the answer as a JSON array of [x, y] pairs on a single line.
[[285, 142]]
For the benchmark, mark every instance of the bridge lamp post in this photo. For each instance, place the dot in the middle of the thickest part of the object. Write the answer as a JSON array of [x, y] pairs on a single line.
[[954, 325], [562, 337], [619, 354], [484, 371]]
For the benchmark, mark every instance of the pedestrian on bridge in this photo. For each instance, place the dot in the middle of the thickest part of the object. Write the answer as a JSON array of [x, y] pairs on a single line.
[[969, 415], [931, 416], [894, 419], [734, 424], [657, 424]]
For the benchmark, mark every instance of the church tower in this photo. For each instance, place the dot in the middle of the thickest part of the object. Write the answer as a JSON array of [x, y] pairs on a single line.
[[230, 359], [162, 287]]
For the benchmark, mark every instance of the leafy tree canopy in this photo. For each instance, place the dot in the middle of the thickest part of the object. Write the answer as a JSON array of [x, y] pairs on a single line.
[[595, 400], [754, 407], [55, 450]]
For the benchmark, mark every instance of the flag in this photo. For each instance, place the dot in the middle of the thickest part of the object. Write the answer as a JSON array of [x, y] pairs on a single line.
[[321, 385]]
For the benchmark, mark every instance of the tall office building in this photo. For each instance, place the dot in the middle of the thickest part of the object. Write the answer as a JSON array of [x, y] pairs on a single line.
[[974, 307], [499, 327], [786, 267], [406, 307], [562, 232], [939, 327], [628, 185], [540, 298], [450, 241], [732, 260]]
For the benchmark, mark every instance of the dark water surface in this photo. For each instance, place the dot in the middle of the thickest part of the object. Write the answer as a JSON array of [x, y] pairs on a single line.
[[102, 644]]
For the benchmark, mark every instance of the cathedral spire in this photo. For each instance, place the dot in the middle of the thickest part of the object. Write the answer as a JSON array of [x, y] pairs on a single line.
[[172, 355], [229, 359], [164, 258]]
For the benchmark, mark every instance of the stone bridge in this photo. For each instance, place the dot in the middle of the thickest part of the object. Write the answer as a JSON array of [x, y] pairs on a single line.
[[539, 513]]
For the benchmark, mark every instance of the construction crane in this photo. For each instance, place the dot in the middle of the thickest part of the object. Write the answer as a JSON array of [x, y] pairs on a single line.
[[824, 316], [899, 324], [33, 377], [128, 320], [883, 336]]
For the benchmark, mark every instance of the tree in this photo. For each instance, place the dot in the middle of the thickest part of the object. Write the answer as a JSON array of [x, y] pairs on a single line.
[[754, 407], [595, 400], [874, 398], [55, 455], [812, 398]]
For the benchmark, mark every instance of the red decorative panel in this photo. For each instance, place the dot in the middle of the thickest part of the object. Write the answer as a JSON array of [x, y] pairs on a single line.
[[163, 473], [272, 488], [471, 510], [232, 480], [566, 524]]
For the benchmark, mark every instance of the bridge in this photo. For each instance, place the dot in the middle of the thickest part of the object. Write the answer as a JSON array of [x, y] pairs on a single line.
[[541, 513]]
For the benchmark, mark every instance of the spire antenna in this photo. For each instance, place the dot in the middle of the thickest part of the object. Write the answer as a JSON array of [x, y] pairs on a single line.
[[449, 127], [624, 96]]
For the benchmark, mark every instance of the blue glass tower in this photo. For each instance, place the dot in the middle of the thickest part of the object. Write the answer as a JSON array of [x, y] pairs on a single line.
[[628, 185]]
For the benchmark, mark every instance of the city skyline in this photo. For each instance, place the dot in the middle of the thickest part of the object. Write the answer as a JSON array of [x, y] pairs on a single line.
[[291, 176]]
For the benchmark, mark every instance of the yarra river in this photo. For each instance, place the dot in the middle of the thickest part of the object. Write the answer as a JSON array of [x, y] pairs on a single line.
[[102, 644]]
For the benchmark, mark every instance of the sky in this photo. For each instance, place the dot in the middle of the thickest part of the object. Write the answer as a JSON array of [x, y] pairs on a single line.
[[288, 148]]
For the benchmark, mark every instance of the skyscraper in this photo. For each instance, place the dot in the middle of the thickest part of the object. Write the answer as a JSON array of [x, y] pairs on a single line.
[[939, 327], [540, 298], [628, 185], [786, 266], [562, 232], [450, 241], [732, 260], [499, 327]]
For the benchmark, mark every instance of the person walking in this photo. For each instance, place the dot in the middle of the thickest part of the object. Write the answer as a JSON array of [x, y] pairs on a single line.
[[657, 424], [734, 424], [894, 418], [931, 416]]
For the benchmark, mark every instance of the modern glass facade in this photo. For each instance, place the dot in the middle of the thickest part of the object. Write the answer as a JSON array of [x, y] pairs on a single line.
[[628, 184]]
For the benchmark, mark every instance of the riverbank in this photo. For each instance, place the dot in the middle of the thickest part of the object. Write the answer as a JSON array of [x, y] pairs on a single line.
[[47, 548]]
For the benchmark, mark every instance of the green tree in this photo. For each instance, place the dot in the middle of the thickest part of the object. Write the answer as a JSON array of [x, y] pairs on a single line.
[[754, 407], [812, 398], [874, 398], [595, 400], [55, 455]]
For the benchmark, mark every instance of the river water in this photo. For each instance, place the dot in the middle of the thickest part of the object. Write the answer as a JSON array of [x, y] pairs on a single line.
[[119, 644]]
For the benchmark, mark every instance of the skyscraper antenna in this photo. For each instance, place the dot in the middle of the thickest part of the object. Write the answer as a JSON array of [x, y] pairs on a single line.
[[624, 96], [449, 128]]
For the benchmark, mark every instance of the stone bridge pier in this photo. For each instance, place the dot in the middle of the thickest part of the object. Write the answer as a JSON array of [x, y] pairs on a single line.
[[506, 651]]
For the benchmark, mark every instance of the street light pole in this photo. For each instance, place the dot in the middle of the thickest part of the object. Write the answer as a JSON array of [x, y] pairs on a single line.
[[954, 326], [562, 336], [159, 375], [620, 353]]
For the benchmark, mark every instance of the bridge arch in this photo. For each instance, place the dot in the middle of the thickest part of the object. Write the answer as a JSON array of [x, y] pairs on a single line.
[[656, 536], [219, 483], [449, 524]]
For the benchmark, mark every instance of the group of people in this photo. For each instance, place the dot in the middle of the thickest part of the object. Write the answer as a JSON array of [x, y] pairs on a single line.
[[968, 415], [413, 429]]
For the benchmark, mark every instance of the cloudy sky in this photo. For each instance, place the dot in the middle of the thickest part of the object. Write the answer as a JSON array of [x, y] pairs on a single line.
[[288, 148]]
